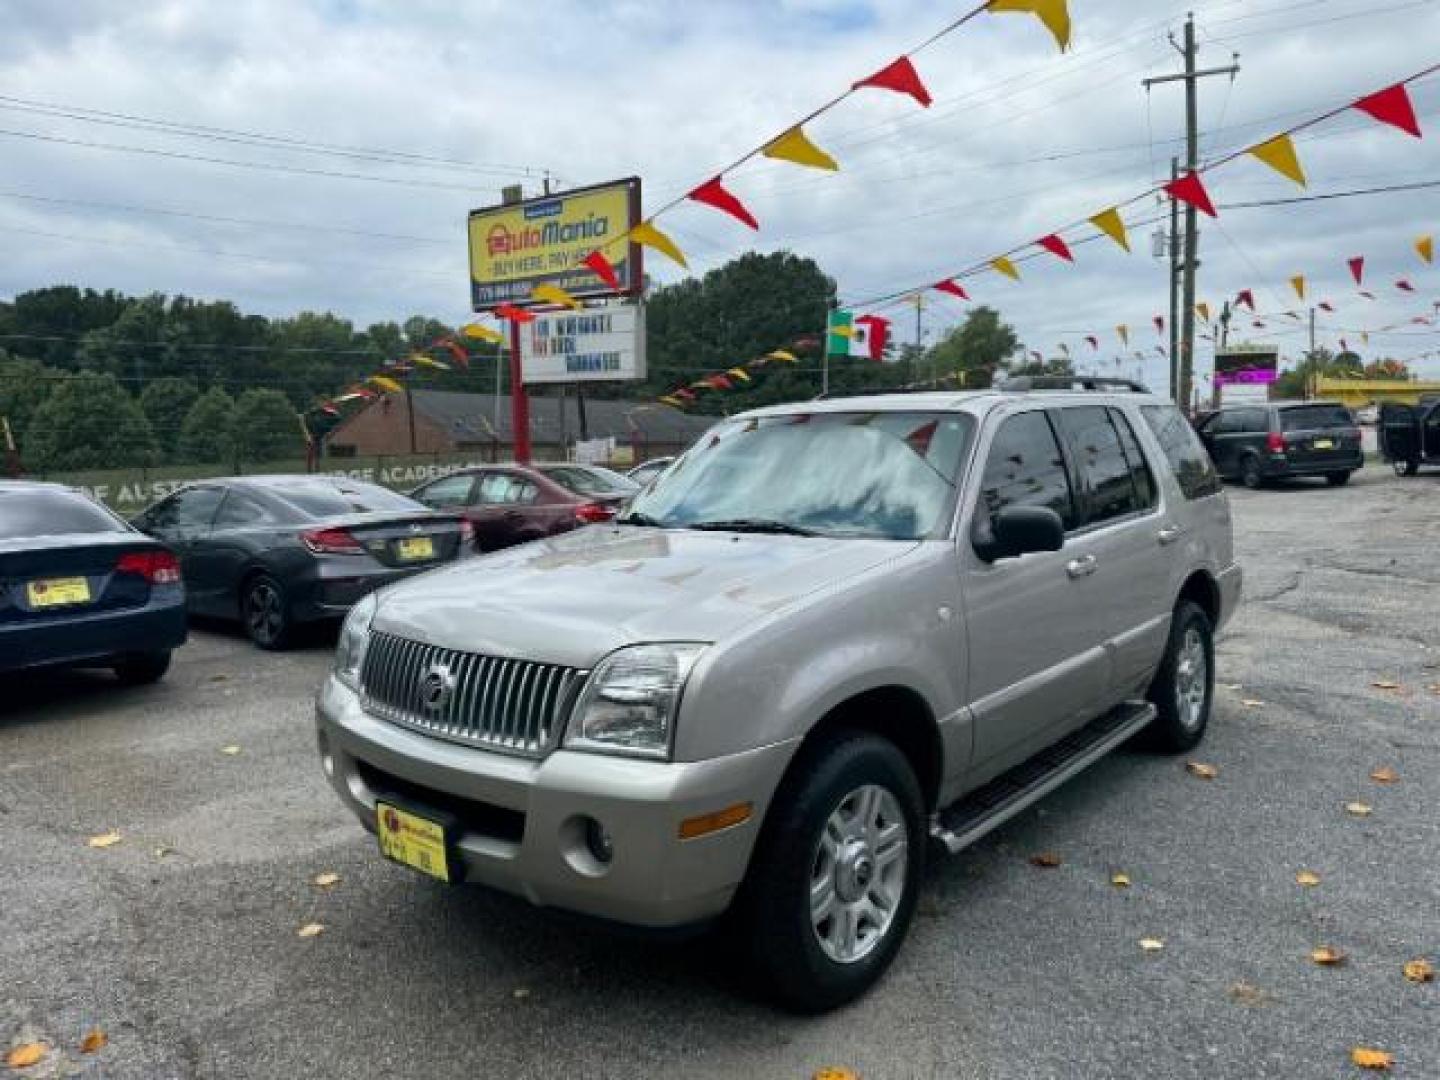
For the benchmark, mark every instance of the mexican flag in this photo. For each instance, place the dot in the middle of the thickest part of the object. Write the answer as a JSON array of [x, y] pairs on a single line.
[[864, 337]]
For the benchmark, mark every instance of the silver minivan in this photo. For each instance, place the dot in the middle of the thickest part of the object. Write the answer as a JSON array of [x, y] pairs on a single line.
[[831, 638]]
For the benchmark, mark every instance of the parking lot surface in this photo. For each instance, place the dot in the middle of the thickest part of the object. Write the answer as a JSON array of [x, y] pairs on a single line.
[[181, 940]]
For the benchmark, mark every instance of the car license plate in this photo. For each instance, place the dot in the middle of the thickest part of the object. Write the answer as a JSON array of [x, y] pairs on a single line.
[[1324, 444], [412, 840], [417, 547], [56, 592]]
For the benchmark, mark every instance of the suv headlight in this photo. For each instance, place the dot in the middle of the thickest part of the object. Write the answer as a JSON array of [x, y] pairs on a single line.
[[630, 701], [354, 637]]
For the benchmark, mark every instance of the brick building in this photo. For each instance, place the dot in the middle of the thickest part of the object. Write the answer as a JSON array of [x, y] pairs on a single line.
[[447, 422]]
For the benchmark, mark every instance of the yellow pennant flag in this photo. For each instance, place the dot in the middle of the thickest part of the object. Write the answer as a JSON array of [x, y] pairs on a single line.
[[1112, 225], [1055, 14], [1279, 154], [1425, 248], [646, 233], [1002, 265], [783, 356], [739, 373], [795, 146], [553, 294], [1203, 309], [1124, 332], [1298, 284], [476, 332], [425, 361], [384, 382], [673, 402]]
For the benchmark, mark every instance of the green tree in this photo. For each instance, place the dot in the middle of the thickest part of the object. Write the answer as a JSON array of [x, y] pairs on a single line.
[[1296, 382], [24, 386], [266, 427], [977, 348], [166, 403], [207, 435], [88, 421]]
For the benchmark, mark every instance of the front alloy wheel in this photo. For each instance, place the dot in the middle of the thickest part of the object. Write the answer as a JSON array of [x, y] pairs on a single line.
[[858, 877]]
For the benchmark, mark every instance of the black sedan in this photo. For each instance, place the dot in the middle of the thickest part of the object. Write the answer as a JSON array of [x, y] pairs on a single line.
[[277, 551], [81, 588]]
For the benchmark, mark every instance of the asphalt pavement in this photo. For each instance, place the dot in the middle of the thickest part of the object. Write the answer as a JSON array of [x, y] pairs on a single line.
[[181, 940]]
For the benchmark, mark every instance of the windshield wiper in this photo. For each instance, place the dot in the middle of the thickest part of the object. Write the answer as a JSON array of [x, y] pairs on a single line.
[[754, 525], [643, 520]]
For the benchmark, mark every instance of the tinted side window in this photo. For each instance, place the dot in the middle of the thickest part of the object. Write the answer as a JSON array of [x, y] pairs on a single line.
[[1105, 472], [239, 510], [1146, 492], [451, 491], [192, 509], [1252, 421], [1183, 450], [1026, 468], [1310, 417]]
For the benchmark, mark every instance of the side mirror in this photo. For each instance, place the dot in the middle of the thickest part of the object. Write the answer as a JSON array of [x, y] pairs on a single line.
[[1020, 530]]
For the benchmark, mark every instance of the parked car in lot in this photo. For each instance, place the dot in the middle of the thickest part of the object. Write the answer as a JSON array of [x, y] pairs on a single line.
[[836, 633], [1256, 443], [1409, 435], [592, 481], [642, 474], [81, 588], [278, 551], [514, 504]]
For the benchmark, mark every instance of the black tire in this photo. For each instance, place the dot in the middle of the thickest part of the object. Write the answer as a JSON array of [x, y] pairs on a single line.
[[1251, 474], [142, 669], [265, 612], [1406, 468], [772, 915], [1337, 479], [1179, 725]]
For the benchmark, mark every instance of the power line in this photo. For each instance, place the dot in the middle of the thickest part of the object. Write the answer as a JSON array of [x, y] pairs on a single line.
[[1385, 190]]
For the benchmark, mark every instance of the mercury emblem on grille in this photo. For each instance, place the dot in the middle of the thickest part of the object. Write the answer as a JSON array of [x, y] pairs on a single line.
[[436, 686]]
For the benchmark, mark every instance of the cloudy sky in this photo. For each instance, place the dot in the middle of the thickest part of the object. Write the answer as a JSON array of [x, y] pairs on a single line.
[[437, 104]]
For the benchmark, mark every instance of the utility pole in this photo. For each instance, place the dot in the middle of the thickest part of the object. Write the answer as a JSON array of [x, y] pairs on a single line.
[[1190, 77], [1174, 249]]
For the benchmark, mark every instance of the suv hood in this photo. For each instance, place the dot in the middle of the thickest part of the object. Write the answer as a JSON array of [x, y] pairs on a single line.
[[573, 599]]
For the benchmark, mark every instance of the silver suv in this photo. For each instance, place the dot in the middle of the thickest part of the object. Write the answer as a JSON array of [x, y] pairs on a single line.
[[832, 635]]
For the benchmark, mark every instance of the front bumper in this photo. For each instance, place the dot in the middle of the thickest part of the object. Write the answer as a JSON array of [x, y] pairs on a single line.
[[521, 820]]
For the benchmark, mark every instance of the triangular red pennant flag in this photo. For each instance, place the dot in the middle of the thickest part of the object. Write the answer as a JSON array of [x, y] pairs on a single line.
[[597, 262], [1404, 286], [1357, 269], [330, 409], [713, 193], [1368, 295], [720, 382], [1190, 190], [1159, 324], [1344, 345], [1094, 342], [1325, 305], [514, 314], [1246, 297], [1392, 106], [954, 288], [1038, 358], [456, 350], [1056, 246], [901, 77]]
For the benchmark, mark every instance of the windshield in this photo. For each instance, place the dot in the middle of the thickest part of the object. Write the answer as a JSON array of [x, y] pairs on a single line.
[[1309, 417], [888, 475], [52, 512], [589, 480], [322, 498]]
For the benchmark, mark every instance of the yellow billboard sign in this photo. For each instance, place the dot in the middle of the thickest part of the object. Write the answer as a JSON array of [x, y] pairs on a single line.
[[515, 247]]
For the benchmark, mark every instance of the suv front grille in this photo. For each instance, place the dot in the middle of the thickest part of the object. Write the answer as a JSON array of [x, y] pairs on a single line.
[[514, 706]]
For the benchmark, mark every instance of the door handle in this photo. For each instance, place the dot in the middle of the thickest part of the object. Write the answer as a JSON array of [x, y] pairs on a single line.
[[1083, 567], [1169, 534]]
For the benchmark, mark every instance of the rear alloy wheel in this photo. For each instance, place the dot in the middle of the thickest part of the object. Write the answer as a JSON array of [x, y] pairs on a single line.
[[1250, 473], [266, 612], [1337, 479], [1183, 689], [836, 874], [1406, 468], [142, 669]]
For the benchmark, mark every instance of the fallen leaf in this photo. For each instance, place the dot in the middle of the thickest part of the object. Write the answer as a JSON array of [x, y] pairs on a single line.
[[1120, 880], [218, 678], [1357, 809], [1419, 971], [1150, 944], [162, 851], [1307, 878], [1434, 688], [94, 1041], [1251, 703], [230, 750], [325, 880], [520, 993], [313, 929], [1200, 769], [1248, 994], [1385, 775], [104, 840], [1046, 860], [835, 1072], [25, 1055], [1371, 1059], [1328, 956]]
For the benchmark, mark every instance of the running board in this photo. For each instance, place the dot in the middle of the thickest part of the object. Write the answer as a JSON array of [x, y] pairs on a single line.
[[961, 824]]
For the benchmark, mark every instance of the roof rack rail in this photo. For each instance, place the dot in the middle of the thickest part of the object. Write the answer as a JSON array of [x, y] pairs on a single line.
[[1021, 384]]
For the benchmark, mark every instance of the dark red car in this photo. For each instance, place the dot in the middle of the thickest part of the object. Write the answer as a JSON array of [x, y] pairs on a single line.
[[514, 504]]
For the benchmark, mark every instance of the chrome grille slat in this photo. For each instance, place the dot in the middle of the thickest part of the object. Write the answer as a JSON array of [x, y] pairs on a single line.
[[500, 704]]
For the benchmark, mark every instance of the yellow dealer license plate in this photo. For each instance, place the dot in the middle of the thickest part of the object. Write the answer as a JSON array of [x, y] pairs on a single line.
[[417, 547], [1324, 444], [415, 841], [55, 592]]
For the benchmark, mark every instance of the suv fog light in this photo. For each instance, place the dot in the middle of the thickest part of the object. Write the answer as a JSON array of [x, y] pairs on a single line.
[[597, 839]]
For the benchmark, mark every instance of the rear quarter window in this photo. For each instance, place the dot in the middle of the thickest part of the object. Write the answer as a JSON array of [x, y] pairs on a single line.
[[51, 512], [1184, 452]]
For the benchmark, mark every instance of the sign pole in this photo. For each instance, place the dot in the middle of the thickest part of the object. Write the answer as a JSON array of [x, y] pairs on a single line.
[[519, 400]]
